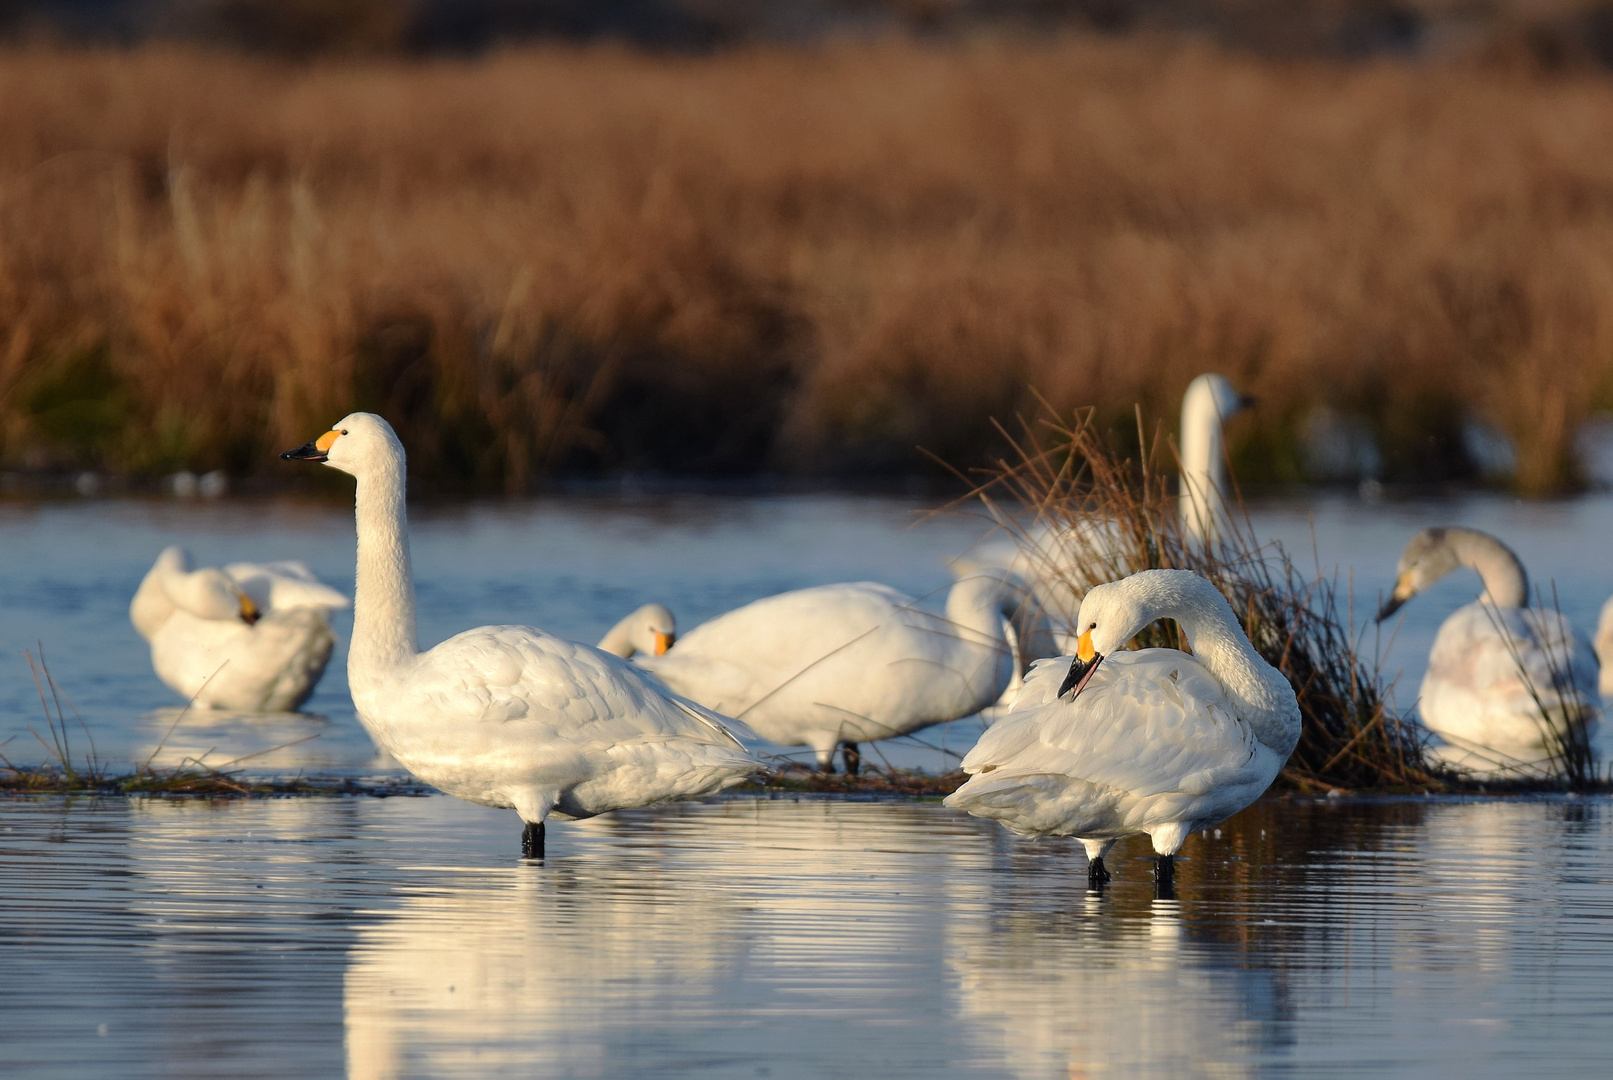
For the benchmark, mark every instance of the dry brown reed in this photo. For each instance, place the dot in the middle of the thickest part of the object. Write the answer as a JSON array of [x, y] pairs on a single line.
[[802, 260], [1084, 514]]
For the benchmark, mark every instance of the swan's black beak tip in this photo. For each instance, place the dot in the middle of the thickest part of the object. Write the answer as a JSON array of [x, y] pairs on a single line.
[[308, 451], [1080, 674], [1390, 606]]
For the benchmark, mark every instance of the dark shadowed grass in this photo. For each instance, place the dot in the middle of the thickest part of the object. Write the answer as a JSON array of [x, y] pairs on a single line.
[[1083, 514]]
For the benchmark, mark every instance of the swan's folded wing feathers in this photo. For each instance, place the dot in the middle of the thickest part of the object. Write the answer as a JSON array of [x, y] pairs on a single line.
[[572, 691], [1134, 728]]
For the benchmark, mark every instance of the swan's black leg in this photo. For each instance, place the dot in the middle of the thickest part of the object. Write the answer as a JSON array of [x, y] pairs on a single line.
[[1164, 877], [851, 757], [1097, 874], [532, 840]]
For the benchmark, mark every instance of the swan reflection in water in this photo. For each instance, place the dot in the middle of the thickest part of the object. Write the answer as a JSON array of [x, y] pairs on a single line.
[[1088, 994], [263, 741], [712, 936]]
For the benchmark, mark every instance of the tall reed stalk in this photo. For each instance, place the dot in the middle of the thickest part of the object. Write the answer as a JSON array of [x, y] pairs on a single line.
[[1083, 514]]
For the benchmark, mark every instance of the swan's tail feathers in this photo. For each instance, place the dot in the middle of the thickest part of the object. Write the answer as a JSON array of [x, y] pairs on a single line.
[[726, 726]]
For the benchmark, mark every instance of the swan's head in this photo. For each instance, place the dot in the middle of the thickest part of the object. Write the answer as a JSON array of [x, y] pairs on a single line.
[[651, 629], [359, 441], [1429, 556], [1215, 394], [208, 593], [1114, 613]]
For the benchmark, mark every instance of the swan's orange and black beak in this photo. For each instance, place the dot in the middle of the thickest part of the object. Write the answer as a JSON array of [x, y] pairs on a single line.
[[663, 642], [312, 451], [1082, 667], [249, 611], [1404, 590]]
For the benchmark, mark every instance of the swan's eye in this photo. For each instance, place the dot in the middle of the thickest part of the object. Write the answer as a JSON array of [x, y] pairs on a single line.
[[344, 431]]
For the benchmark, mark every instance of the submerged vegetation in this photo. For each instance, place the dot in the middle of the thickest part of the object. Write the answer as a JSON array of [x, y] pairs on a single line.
[[798, 260]]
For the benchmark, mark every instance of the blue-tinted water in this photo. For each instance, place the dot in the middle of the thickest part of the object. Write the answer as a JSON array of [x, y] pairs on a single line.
[[402, 938]]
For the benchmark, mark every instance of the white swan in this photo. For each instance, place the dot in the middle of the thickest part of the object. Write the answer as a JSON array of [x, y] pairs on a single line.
[[650, 630], [505, 716], [249, 637], [1108, 744], [837, 665], [1604, 647], [1493, 657], [1056, 558]]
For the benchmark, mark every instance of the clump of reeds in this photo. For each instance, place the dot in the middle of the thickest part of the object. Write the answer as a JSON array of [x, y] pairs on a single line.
[[1084, 513]]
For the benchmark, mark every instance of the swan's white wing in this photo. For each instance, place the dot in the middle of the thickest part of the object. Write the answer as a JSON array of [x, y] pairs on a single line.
[[738, 659], [502, 675], [1502, 653], [1147, 723], [282, 586]]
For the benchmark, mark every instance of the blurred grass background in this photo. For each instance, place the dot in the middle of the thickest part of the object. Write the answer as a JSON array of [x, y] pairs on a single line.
[[706, 239]]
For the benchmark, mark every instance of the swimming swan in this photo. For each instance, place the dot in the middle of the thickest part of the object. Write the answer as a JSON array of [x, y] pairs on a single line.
[[1051, 558], [1108, 743], [1490, 654], [836, 665], [249, 637], [506, 716]]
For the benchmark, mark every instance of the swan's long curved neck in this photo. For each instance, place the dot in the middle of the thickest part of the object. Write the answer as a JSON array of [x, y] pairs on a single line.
[[1259, 691], [618, 640], [384, 634], [1506, 584], [1202, 502]]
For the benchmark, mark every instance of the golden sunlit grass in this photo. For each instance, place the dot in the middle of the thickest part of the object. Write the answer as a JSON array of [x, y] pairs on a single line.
[[797, 260]]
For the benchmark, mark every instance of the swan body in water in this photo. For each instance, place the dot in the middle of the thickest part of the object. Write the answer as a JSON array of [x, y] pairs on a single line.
[[1055, 557], [1492, 658], [249, 637], [1108, 743], [506, 716], [838, 665]]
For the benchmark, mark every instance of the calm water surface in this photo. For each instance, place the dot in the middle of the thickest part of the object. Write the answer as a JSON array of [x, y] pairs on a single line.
[[575, 565], [742, 938], [399, 938]]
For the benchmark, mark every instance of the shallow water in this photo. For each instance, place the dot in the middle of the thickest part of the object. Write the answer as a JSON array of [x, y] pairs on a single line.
[[379, 938], [575, 565]]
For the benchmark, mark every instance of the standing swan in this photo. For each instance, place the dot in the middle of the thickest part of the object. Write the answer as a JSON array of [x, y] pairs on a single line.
[[505, 716], [1154, 741], [248, 637], [1494, 657], [838, 665]]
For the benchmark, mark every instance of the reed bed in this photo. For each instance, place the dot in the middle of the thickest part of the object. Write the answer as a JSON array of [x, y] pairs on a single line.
[[804, 261], [1084, 513]]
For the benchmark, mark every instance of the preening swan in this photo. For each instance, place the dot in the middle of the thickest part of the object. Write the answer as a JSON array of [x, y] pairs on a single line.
[[506, 716], [837, 665], [1107, 743], [1051, 558], [649, 630], [249, 637], [1493, 658]]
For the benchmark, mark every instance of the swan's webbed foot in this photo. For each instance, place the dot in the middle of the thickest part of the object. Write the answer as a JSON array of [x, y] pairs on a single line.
[[532, 840], [1097, 875], [851, 758], [1164, 877]]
